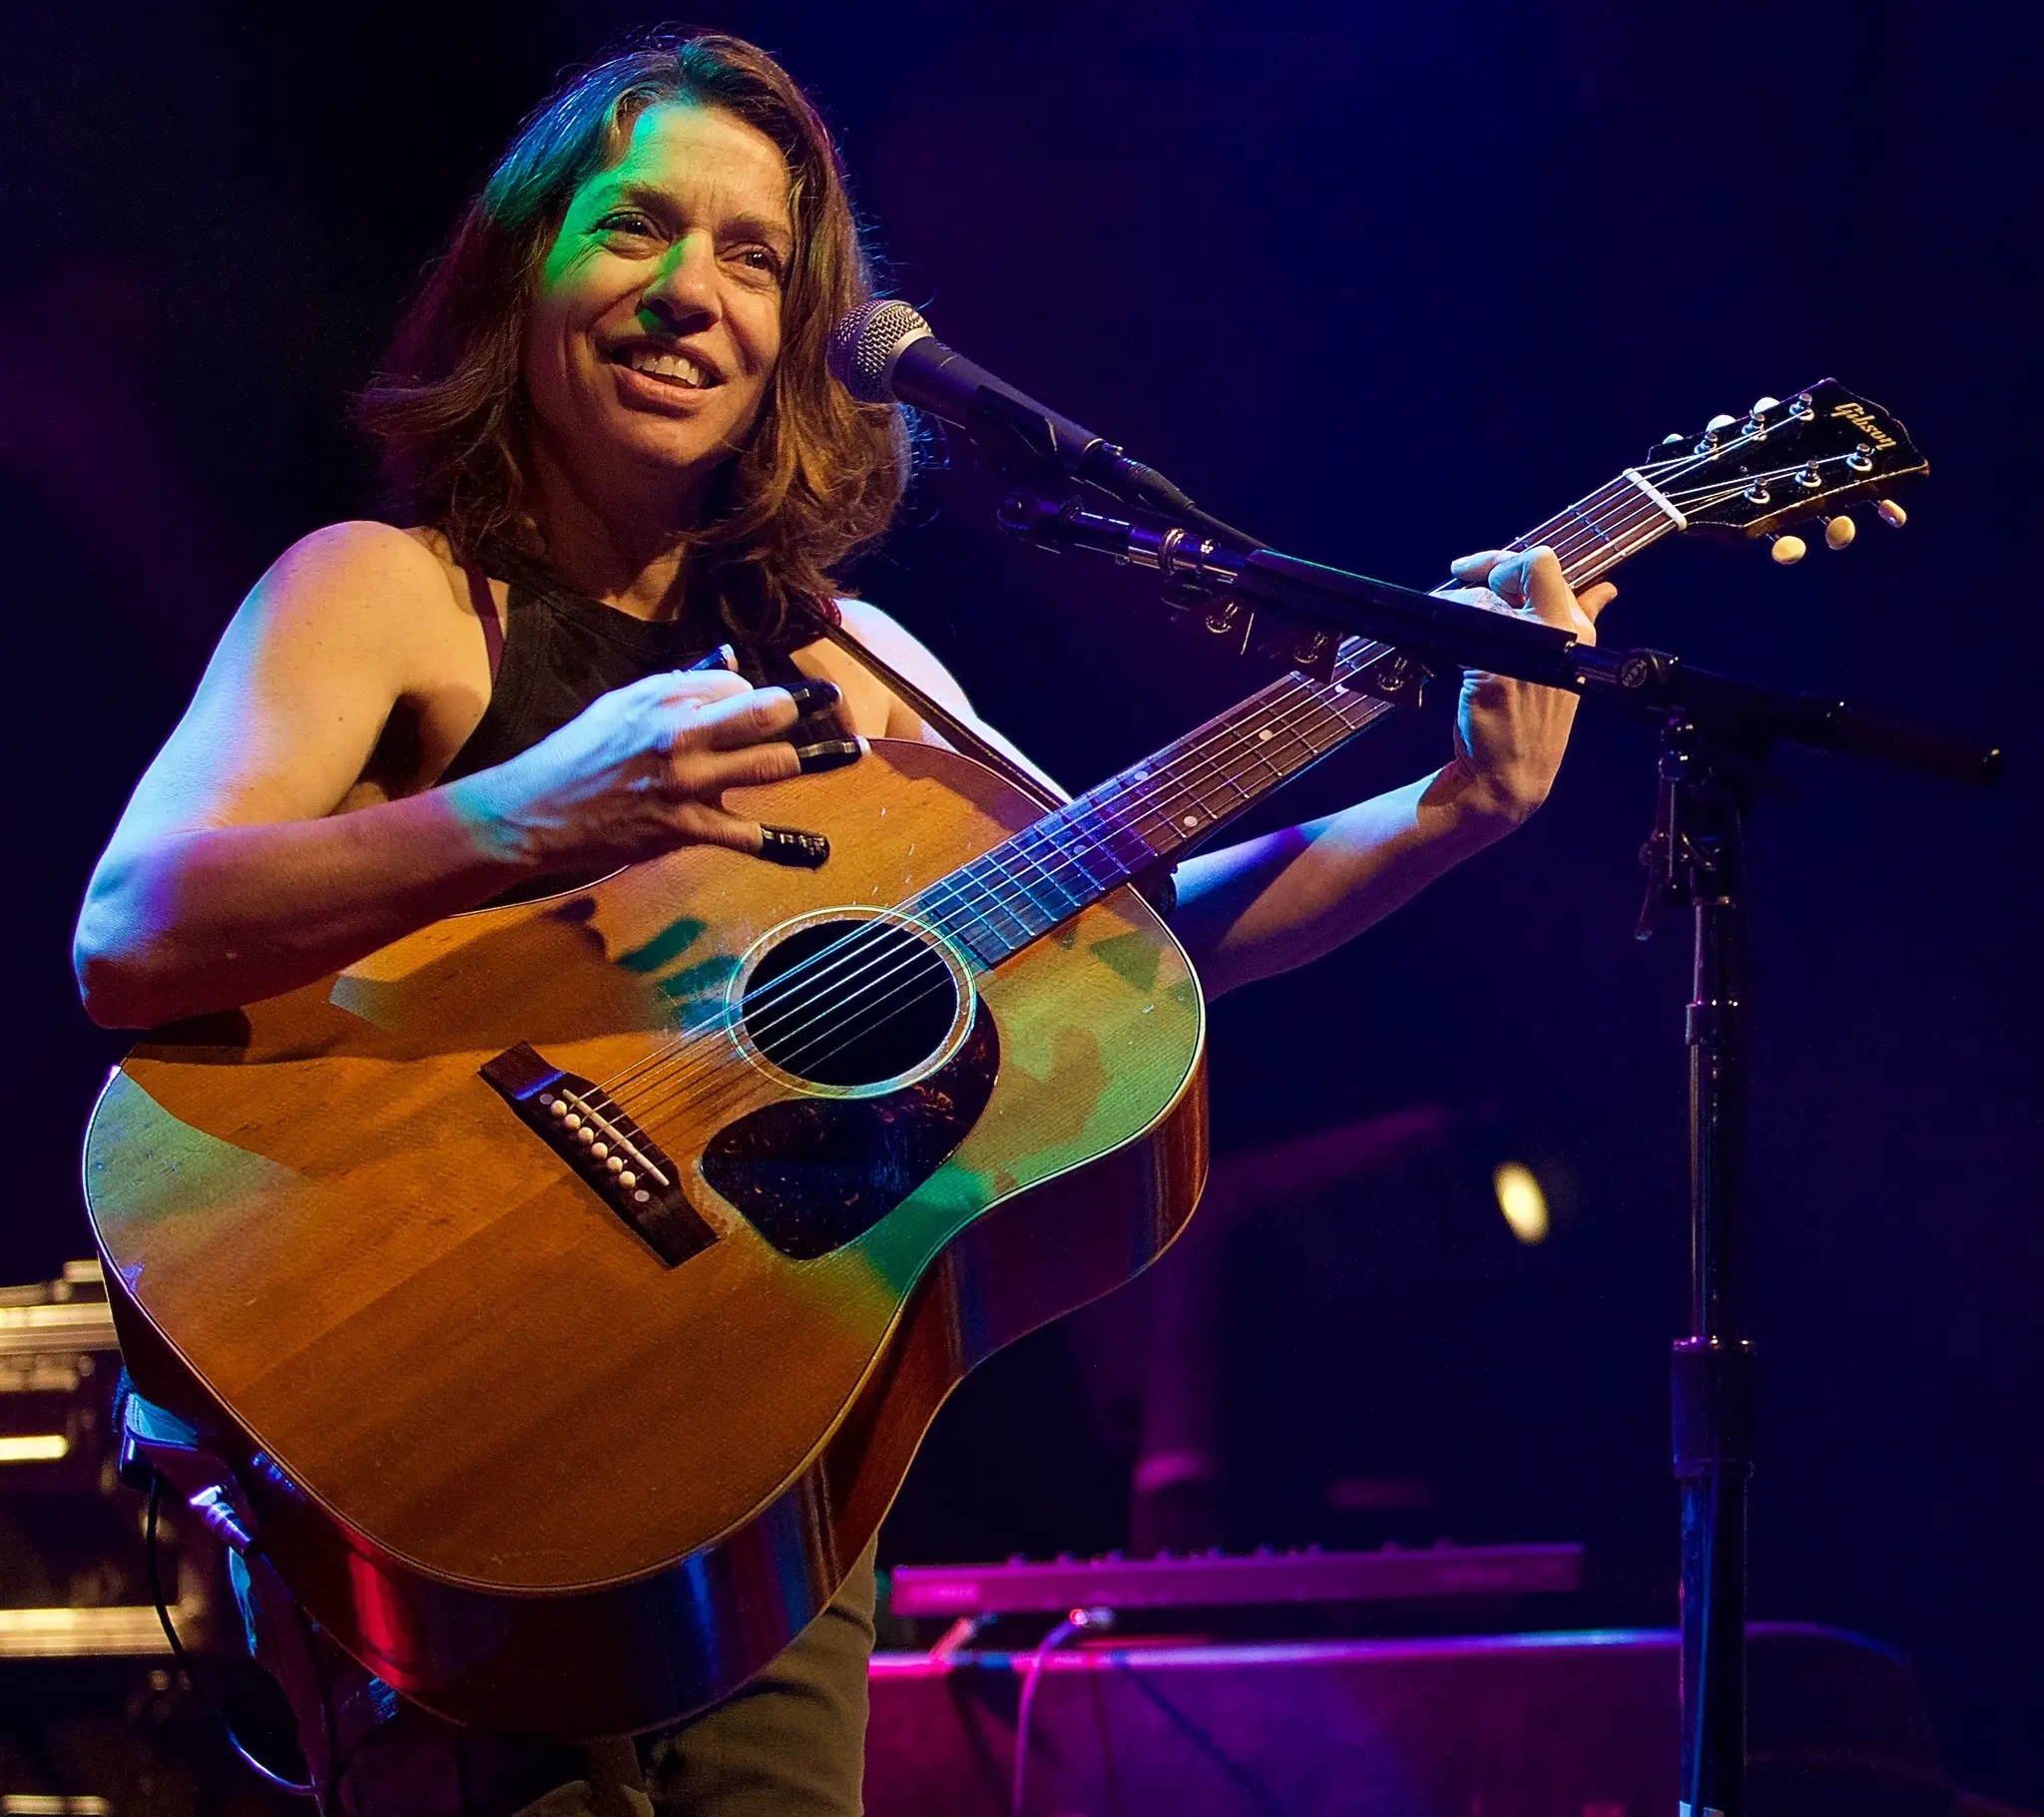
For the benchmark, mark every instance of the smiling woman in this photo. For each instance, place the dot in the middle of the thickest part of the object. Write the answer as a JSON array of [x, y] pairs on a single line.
[[697, 163], [613, 446], [656, 327]]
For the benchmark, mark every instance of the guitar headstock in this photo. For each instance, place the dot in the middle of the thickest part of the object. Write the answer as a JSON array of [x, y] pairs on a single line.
[[1786, 462]]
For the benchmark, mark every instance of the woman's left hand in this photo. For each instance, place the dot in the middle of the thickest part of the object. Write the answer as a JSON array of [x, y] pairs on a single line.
[[1510, 735]]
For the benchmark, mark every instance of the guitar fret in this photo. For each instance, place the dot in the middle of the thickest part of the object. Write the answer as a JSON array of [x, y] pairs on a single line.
[[1612, 516], [1044, 889]]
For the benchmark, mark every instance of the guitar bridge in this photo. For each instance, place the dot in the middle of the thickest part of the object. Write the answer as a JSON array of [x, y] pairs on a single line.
[[604, 1146]]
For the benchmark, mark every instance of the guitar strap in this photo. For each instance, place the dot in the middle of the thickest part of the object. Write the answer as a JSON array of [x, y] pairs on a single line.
[[1158, 887], [961, 737]]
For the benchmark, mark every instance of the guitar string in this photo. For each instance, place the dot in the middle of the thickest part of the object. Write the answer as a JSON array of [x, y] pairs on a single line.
[[789, 982], [917, 959], [1623, 539], [1309, 698], [1028, 845], [1617, 542], [931, 987], [1616, 547], [1569, 546]]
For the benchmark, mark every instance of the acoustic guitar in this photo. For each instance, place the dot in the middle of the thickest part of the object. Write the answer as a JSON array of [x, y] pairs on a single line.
[[564, 1290]]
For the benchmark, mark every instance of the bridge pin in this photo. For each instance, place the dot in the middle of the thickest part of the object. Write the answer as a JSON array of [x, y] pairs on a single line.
[[573, 1122], [628, 1179], [616, 1163]]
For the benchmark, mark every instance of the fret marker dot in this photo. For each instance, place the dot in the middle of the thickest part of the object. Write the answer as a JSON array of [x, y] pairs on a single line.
[[1190, 820], [1264, 735]]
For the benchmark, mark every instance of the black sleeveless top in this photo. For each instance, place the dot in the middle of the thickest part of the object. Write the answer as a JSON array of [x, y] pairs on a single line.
[[555, 652]]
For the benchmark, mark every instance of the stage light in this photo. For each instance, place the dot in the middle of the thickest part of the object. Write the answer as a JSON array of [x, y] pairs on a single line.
[[1520, 1198], [33, 1447]]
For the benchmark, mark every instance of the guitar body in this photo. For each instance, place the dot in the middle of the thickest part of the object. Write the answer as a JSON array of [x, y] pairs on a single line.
[[553, 1453]]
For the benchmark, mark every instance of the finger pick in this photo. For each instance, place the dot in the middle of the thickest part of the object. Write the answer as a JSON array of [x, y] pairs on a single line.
[[791, 847]]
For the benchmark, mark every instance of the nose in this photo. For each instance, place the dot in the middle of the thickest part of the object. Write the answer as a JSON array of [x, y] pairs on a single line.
[[682, 292]]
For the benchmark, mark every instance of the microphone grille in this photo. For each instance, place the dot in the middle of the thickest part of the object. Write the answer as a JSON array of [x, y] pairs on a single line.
[[864, 345]]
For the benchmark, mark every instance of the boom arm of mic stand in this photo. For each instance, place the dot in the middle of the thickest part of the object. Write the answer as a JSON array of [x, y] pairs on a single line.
[[1445, 633]]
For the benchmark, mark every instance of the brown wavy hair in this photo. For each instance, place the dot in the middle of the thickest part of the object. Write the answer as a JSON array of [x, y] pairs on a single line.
[[819, 475]]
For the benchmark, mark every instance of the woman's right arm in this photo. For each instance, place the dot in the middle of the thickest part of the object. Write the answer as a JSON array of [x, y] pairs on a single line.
[[230, 877]]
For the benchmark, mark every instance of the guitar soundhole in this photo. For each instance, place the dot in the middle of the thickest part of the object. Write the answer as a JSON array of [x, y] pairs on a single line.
[[850, 1003]]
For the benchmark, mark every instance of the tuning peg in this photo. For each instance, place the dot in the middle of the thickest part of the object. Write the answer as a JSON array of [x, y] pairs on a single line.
[[1839, 531], [1762, 405], [1787, 550], [1890, 514], [1720, 423]]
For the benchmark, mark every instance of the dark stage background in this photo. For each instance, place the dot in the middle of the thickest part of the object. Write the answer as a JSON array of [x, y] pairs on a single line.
[[1386, 283]]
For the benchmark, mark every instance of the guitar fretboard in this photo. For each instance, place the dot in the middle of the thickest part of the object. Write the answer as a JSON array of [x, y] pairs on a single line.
[[1142, 818]]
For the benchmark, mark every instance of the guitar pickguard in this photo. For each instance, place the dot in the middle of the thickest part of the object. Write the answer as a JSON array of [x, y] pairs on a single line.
[[812, 1173]]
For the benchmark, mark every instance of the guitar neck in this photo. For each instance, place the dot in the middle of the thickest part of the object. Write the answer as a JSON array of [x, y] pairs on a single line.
[[1180, 796]]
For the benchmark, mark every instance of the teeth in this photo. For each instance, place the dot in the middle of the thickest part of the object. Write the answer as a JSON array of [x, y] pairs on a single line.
[[666, 365]]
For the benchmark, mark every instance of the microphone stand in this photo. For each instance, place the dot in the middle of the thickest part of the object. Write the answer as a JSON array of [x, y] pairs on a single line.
[[1715, 734]]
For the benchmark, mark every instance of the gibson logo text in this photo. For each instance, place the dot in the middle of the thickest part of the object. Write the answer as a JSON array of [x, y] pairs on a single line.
[[1861, 418]]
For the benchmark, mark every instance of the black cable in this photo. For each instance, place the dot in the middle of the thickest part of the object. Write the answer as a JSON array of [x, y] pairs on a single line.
[[183, 1659], [1221, 530], [337, 1763], [1079, 1618]]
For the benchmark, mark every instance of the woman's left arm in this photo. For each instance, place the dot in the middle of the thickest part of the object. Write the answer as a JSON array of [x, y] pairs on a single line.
[[1267, 905]]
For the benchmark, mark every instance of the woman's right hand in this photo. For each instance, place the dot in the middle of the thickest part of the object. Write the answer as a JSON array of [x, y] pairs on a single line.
[[643, 769]]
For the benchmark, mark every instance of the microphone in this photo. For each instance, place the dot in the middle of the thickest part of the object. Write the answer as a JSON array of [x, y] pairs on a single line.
[[886, 352]]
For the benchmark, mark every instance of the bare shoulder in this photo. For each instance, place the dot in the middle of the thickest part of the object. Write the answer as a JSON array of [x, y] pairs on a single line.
[[347, 623], [367, 598], [359, 567]]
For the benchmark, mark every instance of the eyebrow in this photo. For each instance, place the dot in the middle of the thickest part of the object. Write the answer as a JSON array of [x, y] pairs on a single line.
[[657, 200]]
